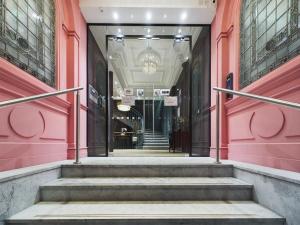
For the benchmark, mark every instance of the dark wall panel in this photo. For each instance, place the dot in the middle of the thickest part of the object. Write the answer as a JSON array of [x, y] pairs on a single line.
[[97, 97], [201, 95]]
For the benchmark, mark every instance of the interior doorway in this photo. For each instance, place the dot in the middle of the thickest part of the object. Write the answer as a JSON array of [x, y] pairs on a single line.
[[148, 90]]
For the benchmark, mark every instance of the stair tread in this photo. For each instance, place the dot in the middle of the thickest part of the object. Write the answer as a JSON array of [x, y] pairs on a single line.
[[82, 211], [147, 181]]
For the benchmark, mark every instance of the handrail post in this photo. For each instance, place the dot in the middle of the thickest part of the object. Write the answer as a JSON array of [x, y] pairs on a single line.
[[77, 154], [217, 128]]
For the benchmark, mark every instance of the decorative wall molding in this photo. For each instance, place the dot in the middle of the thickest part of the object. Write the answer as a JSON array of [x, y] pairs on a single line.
[[267, 122], [39, 102], [29, 126], [71, 33], [235, 105], [18, 78], [268, 83]]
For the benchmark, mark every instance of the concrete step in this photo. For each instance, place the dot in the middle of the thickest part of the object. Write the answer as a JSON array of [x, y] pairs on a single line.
[[146, 189], [161, 169], [147, 213]]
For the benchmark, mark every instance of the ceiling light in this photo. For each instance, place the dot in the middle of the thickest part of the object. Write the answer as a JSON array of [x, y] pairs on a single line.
[[131, 16], [179, 31], [143, 38], [123, 108], [148, 30], [115, 16], [119, 30], [110, 57], [149, 60], [183, 16], [148, 15], [165, 16]]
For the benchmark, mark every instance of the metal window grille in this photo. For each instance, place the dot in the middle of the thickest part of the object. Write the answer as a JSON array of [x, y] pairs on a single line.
[[27, 36], [270, 36]]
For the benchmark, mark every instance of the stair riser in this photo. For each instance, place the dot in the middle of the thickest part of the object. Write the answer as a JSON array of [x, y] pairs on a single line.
[[146, 171], [168, 221], [146, 193]]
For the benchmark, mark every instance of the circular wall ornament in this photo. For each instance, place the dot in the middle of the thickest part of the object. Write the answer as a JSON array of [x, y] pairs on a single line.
[[267, 122], [26, 121]]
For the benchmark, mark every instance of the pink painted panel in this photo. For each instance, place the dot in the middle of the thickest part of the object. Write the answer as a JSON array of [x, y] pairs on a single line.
[[36, 133], [257, 132]]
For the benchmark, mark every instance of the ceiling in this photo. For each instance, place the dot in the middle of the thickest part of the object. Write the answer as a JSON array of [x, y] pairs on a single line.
[[126, 64], [123, 57], [148, 11]]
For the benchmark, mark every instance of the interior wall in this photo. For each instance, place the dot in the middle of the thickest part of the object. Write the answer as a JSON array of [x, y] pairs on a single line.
[[251, 131], [43, 131]]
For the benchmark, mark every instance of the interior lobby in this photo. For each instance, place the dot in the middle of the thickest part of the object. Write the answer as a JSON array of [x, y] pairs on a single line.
[[149, 112]]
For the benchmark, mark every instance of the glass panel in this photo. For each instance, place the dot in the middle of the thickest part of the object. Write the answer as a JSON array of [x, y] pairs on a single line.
[[25, 23], [271, 33]]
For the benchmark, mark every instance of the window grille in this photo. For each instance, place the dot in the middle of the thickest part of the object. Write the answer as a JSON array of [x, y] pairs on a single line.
[[270, 31], [27, 36]]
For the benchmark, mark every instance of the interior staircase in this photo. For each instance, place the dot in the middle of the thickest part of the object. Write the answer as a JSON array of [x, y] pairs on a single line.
[[155, 141], [162, 194]]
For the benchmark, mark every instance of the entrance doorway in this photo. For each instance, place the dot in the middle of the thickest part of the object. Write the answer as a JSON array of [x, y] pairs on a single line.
[[149, 90]]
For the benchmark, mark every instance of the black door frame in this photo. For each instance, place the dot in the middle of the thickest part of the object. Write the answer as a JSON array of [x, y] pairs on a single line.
[[145, 36]]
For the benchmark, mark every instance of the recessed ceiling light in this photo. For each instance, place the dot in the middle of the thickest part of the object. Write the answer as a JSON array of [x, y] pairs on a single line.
[[148, 15], [110, 57], [115, 16], [148, 30], [131, 16], [183, 16], [119, 30], [179, 31], [116, 82], [165, 16]]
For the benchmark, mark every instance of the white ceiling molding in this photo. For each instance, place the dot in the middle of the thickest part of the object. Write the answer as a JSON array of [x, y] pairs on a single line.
[[124, 62], [148, 11]]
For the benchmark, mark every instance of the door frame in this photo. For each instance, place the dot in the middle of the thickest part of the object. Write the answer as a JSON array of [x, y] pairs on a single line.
[[108, 119]]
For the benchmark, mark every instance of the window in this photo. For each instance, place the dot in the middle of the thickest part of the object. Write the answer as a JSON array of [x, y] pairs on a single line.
[[27, 36], [270, 36]]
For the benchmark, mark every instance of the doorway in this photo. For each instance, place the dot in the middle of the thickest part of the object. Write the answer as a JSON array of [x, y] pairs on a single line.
[[155, 101]]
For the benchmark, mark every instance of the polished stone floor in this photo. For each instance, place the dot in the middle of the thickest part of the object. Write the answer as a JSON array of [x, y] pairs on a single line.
[[145, 153], [149, 160]]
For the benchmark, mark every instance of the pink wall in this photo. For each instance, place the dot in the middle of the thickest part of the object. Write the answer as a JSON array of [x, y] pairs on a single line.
[[43, 131], [254, 132]]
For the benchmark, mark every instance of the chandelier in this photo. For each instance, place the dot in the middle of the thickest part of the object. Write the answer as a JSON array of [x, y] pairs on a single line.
[[149, 60]]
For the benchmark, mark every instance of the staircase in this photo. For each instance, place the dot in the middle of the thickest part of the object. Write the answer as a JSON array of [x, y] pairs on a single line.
[[156, 141], [148, 194]]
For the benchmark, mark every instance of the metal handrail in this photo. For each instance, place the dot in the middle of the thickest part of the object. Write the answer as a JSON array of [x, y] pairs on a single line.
[[274, 101], [46, 95]]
